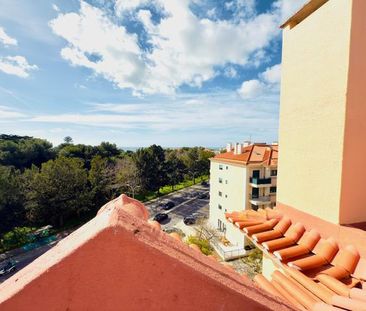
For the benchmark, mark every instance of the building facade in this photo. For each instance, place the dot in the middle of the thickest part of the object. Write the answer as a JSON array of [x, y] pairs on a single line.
[[242, 178]]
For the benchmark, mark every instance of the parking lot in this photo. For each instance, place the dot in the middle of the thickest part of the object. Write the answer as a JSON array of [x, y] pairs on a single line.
[[187, 203]]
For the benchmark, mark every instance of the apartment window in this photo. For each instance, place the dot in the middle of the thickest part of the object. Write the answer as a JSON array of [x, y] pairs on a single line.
[[220, 180], [227, 167], [225, 195], [273, 172], [219, 206], [254, 207], [226, 181], [273, 189], [220, 194], [219, 224], [221, 167]]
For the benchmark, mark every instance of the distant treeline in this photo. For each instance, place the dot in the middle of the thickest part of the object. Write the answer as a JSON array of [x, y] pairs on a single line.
[[41, 184]]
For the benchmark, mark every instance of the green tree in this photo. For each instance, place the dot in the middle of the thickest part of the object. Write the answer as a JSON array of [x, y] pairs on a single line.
[[108, 150], [22, 152], [127, 176], [12, 211], [57, 192], [150, 163], [101, 178], [68, 140], [175, 169]]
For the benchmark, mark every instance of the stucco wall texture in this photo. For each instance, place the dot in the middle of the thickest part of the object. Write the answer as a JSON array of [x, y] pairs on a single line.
[[322, 114], [118, 261]]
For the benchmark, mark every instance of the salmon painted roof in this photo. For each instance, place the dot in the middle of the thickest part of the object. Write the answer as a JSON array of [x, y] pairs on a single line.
[[319, 274], [120, 260], [254, 154]]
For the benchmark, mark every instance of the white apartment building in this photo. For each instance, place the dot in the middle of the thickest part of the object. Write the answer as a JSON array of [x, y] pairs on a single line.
[[243, 177]]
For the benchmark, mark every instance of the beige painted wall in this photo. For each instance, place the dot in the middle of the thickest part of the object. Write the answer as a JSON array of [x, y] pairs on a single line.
[[312, 113]]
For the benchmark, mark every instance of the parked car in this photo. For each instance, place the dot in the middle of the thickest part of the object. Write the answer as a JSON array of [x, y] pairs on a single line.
[[193, 194], [204, 183], [203, 195], [9, 267], [168, 205], [189, 220], [161, 217]]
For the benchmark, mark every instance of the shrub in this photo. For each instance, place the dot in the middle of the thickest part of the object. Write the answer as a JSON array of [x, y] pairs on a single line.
[[16, 238], [203, 244]]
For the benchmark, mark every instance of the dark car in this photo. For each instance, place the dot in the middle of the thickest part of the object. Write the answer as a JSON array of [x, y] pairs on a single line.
[[168, 205], [189, 220], [9, 267], [204, 183], [193, 194], [203, 195], [161, 217]]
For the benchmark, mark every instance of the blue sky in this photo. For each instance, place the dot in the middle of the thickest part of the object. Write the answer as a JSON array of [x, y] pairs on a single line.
[[138, 72]]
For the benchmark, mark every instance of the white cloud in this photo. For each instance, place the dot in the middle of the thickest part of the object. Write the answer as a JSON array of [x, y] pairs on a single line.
[[185, 49], [6, 39], [251, 89], [55, 8], [289, 7], [272, 74], [122, 6], [16, 65], [10, 113], [230, 72], [186, 113], [267, 82]]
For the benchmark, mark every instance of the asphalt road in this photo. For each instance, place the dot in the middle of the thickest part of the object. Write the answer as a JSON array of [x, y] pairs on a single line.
[[185, 205]]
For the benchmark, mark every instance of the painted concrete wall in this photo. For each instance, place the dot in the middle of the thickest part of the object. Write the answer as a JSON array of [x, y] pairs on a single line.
[[233, 189], [312, 112], [268, 267], [353, 205]]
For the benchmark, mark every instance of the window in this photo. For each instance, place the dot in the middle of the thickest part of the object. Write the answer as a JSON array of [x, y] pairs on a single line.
[[220, 194], [227, 167], [225, 195], [254, 207], [221, 167], [219, 206], [273, 189], [226, 181], [273, 172], [220, 180], [219, 224]]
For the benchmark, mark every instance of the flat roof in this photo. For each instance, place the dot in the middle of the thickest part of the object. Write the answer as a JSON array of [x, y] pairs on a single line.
[[310, 7]]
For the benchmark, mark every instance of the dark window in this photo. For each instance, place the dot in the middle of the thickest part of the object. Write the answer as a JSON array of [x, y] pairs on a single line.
[[273, 172], [220, 194], [227, 167], [220, 180], [256, 174], [219, 206], [273, 189], [255, 193], [221, 167]]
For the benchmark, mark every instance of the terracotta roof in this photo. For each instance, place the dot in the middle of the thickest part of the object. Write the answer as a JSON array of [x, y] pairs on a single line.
[[318, 274], [254, 154], [119, 260]]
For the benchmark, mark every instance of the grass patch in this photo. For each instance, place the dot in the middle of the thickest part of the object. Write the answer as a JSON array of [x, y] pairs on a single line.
[[169, 189], [203, 244]]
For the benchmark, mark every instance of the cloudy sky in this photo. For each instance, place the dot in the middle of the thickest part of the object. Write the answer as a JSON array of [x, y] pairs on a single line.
[[138, 72]]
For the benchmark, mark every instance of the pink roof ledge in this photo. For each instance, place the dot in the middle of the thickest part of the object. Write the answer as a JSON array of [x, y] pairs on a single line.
[[119, 261]]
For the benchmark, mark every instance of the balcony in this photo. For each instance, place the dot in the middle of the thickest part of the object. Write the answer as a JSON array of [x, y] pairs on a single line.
[[259, 200], [260, 182]]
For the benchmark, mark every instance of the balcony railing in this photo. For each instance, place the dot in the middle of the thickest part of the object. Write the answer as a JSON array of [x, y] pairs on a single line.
[[260, 181], [259, 200]]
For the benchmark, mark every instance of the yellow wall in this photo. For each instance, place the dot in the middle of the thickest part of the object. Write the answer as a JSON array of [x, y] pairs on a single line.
[[312, 114]]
